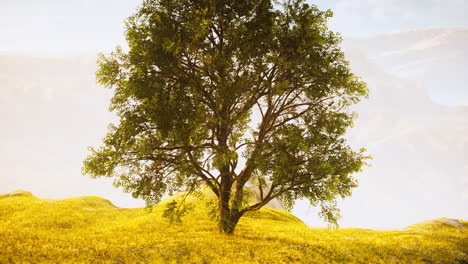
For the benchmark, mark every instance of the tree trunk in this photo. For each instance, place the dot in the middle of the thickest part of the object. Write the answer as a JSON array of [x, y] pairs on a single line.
[[224, 210], [228, 222]]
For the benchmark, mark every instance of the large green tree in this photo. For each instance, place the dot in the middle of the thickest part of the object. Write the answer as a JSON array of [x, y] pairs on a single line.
[[231, 94]]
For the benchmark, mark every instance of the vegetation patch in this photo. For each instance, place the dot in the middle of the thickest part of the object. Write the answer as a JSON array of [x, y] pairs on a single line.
[[34, 230]]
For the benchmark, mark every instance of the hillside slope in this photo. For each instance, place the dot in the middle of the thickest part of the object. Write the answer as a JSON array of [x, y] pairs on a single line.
[[93, 230]]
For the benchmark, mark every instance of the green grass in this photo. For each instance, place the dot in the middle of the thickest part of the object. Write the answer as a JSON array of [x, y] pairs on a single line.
[[93, 230]]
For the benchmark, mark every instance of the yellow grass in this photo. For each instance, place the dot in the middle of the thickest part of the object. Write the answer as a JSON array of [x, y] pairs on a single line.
[[93, 230]]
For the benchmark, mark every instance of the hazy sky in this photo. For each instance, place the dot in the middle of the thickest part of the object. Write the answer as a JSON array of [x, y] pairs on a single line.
[[57, 27], [370, 17]]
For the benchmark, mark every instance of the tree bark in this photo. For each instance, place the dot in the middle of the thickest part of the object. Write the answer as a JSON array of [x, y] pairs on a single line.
[[224, 199], [228, 222]]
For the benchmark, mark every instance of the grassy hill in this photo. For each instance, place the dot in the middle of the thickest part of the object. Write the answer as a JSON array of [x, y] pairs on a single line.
[[93, 230]]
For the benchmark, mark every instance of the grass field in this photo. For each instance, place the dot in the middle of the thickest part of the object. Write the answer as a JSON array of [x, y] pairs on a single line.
[[93, 230]]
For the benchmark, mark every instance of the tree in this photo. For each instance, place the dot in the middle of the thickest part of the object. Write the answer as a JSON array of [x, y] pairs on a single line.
[[230, 94]]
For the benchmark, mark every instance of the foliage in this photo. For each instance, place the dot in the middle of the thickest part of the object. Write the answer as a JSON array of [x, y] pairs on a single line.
[[92, 230], [231, 94], [175, 210]]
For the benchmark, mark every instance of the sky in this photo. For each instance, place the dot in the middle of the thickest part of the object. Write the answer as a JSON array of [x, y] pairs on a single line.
[[55, 27], [49, 28], [370, 17], [77, 27]]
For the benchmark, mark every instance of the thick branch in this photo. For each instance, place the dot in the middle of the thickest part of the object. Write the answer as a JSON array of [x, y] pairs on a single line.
[[210, 180]]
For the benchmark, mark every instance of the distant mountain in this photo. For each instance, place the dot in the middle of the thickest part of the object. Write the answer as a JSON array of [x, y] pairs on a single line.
[[436, 58], [51, 110], [420, 150]]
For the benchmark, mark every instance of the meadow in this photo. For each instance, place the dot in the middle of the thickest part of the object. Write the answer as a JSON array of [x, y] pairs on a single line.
[[93, 230]]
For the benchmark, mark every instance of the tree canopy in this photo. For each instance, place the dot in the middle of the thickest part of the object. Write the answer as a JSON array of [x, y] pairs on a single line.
[[231, 95]]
